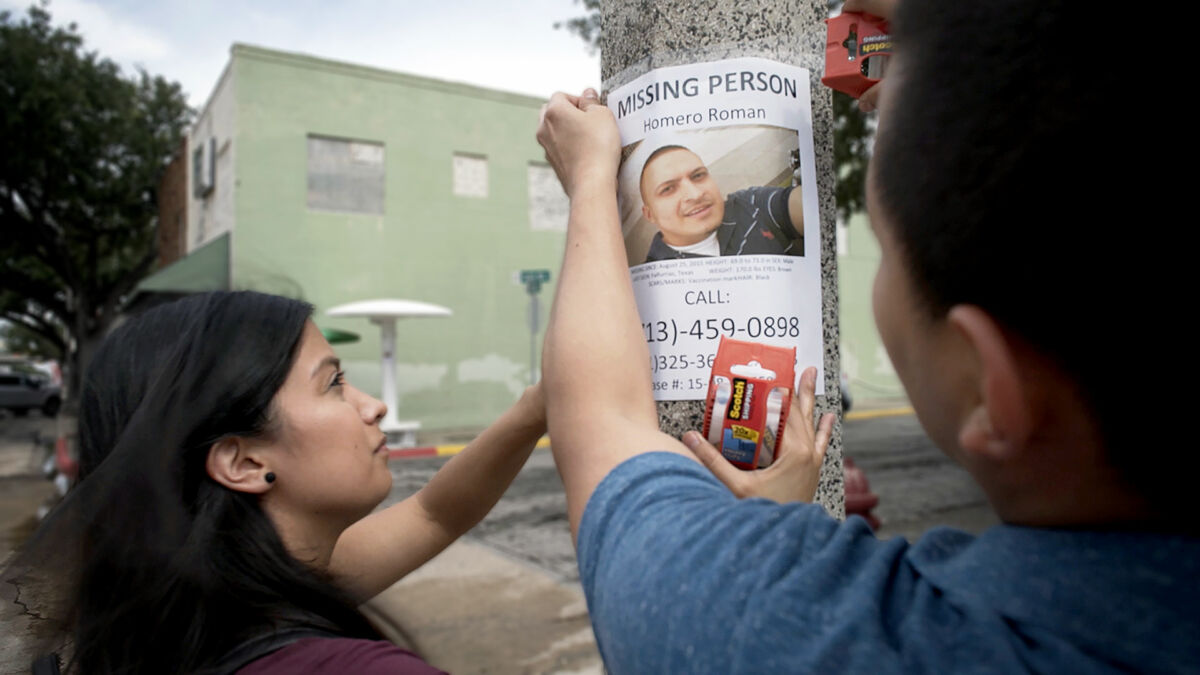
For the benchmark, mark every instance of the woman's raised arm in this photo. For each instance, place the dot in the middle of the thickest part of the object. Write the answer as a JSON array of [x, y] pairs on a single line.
[[385, 546]]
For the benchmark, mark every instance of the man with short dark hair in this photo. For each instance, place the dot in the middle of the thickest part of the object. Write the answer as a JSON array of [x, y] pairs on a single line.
[[681, 198], [1008, 175]]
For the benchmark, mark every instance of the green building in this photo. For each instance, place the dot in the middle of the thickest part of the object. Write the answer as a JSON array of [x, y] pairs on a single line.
[[335, 183], [864, 359]]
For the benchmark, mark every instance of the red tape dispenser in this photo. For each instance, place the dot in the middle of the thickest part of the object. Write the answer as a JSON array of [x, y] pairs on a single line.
[[857, 49], [749, 394]]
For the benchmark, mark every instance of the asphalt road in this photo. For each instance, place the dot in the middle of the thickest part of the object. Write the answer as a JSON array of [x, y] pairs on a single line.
[[918, 487]]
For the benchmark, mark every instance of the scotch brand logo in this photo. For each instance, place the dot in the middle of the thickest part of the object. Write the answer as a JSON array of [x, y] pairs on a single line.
[[874, 44], [735, 402]]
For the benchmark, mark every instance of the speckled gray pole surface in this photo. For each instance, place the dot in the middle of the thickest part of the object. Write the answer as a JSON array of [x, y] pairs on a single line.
[[639, 36]]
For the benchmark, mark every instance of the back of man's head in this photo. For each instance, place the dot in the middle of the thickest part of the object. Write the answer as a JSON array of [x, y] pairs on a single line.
[[1013, 164]]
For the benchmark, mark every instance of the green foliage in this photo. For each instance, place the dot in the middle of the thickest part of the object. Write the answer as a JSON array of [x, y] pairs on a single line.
[[20, 340], [82, 150], [852, 131], [852, 136], [587, 27]]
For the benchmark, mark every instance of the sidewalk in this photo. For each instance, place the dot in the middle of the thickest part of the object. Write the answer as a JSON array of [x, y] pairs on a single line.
[[22, 491], [474, 610], [477, 608], [872, 408], [22, 487]]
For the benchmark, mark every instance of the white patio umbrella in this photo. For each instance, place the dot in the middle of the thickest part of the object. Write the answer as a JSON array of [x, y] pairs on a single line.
[[384, 313]]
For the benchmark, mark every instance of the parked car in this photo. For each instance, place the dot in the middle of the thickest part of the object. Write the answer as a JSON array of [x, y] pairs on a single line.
[[22, 391]]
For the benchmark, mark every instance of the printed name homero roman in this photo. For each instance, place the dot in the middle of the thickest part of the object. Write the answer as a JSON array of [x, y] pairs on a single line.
[[712, 115], [727, 114]]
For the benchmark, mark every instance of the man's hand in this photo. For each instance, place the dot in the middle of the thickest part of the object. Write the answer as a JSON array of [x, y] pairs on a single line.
[[884, 8], [794, 474], [581, 140]]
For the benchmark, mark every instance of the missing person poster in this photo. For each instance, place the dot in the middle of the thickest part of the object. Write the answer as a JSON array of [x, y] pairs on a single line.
[[718, 206]]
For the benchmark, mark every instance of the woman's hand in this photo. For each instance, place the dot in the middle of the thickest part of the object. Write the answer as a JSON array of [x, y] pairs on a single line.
[[581, 140], [533, 405], [869, 100], [794, 474]]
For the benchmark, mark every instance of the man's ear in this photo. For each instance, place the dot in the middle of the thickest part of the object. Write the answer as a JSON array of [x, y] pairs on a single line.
[[1001, 423], [647, 215], [231, 464]]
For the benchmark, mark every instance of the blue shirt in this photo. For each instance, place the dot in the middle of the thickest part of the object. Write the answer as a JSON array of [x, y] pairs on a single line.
[[682, 577]]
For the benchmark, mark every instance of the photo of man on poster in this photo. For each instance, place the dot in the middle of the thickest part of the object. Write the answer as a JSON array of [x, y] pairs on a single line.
[[682, 199]]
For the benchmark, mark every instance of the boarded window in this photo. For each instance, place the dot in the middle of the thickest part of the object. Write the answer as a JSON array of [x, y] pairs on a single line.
[[548, 205], [470, 175], [345, 175], [204, 168]]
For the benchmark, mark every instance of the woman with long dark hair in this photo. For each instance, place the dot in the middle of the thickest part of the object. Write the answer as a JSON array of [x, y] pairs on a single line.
[[223, 521]]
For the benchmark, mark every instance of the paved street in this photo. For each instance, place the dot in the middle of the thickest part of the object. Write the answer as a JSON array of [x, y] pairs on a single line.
[[918, 488], [524, 547]]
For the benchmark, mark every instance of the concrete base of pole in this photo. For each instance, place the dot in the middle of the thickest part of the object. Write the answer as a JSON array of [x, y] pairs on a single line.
[[402, 433]]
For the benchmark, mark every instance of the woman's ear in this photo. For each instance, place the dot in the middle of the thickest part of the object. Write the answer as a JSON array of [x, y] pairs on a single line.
[[1002, 421], [231, 463]]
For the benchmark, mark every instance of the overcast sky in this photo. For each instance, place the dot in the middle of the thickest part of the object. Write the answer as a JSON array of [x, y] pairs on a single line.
[[510, 45]]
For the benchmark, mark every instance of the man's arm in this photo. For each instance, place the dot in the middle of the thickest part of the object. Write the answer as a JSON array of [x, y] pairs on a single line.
[[597, 367], [783, 206], [795, 206]]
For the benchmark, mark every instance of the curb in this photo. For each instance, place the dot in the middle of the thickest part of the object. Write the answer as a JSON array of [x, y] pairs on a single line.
[[454, 449], [441, 450], [873, 414]]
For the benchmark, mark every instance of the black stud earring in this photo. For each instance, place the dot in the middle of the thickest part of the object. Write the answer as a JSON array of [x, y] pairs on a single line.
[[270, 477]]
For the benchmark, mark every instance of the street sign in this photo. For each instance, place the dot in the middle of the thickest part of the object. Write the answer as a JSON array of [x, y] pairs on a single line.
[[539, 276], [533, 280]]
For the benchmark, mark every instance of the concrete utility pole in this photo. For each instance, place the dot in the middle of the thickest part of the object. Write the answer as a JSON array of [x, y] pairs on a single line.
[[639, 36]]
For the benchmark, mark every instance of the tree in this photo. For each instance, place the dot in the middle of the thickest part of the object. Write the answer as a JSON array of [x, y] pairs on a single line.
[[18, 339], [852, 129], [587, 27], [82, 150]]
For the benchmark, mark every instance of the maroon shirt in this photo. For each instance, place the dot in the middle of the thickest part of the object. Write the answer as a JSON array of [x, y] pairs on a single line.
[[336, 656]]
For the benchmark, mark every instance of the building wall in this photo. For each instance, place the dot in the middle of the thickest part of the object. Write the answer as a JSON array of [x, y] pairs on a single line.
[[864, 358], [213, 133], [428, 244]]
